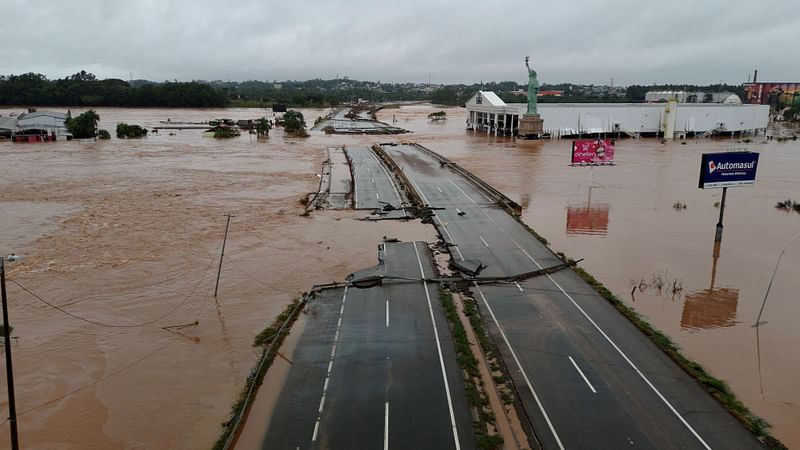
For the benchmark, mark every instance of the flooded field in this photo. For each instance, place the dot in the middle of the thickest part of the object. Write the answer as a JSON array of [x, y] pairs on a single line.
[[124, 237]]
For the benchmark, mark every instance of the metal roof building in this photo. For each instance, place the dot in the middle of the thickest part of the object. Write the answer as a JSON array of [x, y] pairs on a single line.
[[8, 125], [51, 124], [487, 112]]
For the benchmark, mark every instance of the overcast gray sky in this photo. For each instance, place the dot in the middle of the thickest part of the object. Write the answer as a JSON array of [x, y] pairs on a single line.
[[578, 41]]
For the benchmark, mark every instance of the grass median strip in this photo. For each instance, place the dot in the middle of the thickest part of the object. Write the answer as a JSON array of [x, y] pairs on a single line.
[[473, 382]]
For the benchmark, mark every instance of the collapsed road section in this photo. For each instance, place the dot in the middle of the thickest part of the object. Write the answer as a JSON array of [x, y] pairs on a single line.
[[359, 119], [353, 177], [376, 367]]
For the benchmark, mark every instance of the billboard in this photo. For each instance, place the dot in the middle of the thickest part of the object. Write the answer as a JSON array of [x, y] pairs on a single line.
[[772, 93], [278, 107], [598, 151], [728, 169]]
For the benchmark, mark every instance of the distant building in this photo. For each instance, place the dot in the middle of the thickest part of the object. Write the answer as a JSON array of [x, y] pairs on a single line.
[[728, 98], [772, 93], [38, 126], [487, 112], [8, 125], [538, 94]]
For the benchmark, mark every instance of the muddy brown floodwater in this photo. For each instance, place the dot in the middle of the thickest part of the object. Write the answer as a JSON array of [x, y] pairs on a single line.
[[124, 236]]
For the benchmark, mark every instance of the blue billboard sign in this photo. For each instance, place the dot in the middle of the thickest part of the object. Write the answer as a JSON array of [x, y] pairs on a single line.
[[719, 170]]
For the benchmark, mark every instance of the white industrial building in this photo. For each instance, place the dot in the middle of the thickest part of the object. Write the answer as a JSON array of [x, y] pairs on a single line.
[[487, 112], [36, 126]]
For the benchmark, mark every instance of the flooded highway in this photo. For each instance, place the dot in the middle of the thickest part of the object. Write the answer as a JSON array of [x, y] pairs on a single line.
[[631, 235], [125, 237]]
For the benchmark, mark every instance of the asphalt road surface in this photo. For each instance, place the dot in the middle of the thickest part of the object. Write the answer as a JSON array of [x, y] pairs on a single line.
[[373, 185], [375, 368], [586, 376]]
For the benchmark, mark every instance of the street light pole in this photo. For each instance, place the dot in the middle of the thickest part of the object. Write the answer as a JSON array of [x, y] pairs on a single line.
[[12, 409], [764, 303]]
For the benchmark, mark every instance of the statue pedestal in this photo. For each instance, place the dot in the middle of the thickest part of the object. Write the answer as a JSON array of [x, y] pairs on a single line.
[[531, 126]]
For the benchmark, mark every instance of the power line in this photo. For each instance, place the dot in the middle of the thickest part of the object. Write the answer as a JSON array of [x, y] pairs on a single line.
[[111, 325], [233, 261], [99, 380]]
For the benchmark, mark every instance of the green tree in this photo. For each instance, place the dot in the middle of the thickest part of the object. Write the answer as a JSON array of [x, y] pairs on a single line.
[[294, 123], [262, 127], [445, 96], [792, 113], [103, 134], [125, 131], [224, 132], [84, 126]]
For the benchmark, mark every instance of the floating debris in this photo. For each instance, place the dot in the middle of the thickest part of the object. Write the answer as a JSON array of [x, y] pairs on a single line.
[[788, 205]]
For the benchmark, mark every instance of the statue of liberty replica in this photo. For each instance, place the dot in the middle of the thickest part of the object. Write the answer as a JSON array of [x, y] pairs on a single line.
[[533, 88], [531, 124]]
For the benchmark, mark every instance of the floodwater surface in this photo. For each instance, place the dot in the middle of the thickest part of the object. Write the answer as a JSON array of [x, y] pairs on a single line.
[[124, 238], [118, 339]]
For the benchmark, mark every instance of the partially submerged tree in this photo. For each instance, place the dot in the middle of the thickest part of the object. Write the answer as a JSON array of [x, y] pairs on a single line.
[[262, 127], [294, 123], [84, 126], [225, 132], [130, 131]]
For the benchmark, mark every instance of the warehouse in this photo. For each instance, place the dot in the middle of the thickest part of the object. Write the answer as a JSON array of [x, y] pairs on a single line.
[[487, 112]]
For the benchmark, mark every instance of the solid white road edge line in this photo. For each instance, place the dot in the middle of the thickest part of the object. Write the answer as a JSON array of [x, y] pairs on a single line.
[[388, 177], [522, 370], [439, 349], [621, 353], [425, 199], [462, 191]]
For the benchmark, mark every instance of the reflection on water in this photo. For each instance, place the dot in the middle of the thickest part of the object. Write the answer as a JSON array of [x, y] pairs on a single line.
[[712, 307], [587, 219]]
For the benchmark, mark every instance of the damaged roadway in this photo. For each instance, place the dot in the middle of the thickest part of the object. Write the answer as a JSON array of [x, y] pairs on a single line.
[[376, 367], [585, 376]]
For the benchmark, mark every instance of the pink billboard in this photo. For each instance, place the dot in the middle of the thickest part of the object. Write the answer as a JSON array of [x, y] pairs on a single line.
[[598, 151]]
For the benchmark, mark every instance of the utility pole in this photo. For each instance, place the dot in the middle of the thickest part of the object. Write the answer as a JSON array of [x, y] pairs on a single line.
[[224, 239], [12, 408]]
